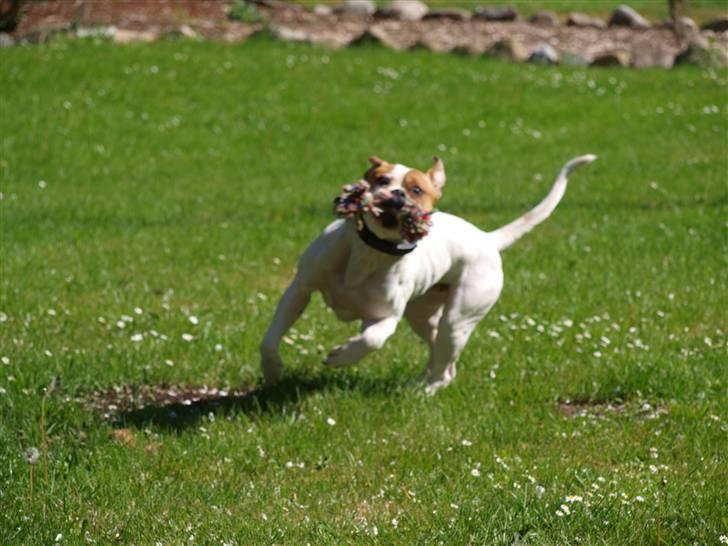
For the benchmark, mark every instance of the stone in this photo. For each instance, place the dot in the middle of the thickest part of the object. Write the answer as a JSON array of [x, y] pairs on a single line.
[[544, 19], [612, 59], [380, 35], [718, 24], [702, 52], [357, 7], [625, 16], [572, 58], [544, 54], [6, 40], [404, 10], [583, 20], [107, 32], [654, 56], [127, 36], [496, 13], [323, 10], [508, 49], [451, 14]]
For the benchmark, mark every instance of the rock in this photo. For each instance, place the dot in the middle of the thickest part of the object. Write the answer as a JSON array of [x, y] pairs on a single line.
[[6, 40], [544, 19], [323, 10], [357, 7], [237, 32], [684, 24], [612, 59], [96, 32], [584, 21], [719, 24], [380, 35], [404, 10], [653, 56], [702, 52], [288, 34], [625, 16], [496, 13], [544, 54], [127, 36], [452, 14], [571, 58], [185, 31], [508, 49]]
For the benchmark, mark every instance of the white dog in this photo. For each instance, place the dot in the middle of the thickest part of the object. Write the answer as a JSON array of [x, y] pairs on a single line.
[[366, 269]]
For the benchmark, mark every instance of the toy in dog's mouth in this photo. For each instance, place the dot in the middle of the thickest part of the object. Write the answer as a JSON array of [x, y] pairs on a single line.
[[355, 199]]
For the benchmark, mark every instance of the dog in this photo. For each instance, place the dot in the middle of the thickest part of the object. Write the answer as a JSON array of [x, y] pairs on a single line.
[[443, 280]]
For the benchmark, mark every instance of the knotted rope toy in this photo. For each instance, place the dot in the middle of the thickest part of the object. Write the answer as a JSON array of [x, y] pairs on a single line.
[[356, 199]]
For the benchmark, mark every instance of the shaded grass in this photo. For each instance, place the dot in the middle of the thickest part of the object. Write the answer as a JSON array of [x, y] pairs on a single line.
[[184, 179]]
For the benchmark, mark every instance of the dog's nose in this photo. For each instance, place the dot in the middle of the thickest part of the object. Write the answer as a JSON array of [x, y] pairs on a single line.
[[398, 197]]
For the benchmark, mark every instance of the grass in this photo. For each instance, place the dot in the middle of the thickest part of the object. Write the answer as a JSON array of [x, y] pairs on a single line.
[[145, 185]]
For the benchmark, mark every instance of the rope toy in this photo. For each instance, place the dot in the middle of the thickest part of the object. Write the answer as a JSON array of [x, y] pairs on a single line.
[[356, 199]]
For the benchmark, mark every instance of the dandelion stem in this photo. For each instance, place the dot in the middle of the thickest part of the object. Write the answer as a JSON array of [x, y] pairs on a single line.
[[32, 470], [43, 437]]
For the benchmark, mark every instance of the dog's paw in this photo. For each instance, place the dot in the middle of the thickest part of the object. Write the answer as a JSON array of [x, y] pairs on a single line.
[[272, 371], [343, 355]]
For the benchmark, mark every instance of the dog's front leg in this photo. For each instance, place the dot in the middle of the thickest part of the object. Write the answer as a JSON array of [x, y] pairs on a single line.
[[292, 304], [372, 337]]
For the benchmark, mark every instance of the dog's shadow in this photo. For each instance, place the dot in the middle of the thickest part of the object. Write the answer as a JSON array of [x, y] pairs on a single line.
[[282, 398]]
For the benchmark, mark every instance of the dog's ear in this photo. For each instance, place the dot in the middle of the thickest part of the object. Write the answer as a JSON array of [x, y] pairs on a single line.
[[376, 161], [437, 173]]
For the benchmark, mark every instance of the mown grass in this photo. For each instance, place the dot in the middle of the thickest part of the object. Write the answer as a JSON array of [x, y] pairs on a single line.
[[184, 179]]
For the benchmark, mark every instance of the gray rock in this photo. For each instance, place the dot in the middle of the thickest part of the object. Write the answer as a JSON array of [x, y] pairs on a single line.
[[612, 59], [404, 10], [544, 54], [571, 58], [702, 52], [625, 16], [496, 13], [451, 14], [719, 24], [357, 7], [584, 21], [6, 40], [508, 49], [321, 9], [544, 19]]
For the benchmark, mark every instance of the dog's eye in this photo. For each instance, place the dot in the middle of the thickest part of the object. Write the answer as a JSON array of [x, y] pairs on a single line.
[[416, 190], [383, 180]]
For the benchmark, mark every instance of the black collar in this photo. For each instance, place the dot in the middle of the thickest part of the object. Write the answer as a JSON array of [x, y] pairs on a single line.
[[388, 247]]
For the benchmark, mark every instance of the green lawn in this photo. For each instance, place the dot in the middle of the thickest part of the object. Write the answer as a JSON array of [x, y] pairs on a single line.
[[146, 185]]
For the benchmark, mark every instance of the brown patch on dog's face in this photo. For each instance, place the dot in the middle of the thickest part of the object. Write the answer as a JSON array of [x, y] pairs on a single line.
[[378, 173], [421, 190]]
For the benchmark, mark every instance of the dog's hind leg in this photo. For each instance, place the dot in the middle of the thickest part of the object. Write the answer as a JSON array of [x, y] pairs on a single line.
[[291, 306]]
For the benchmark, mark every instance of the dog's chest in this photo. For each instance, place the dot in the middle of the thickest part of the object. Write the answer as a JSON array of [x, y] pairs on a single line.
[[363, 296]]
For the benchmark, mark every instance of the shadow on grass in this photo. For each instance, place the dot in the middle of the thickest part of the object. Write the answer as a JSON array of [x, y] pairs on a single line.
[[180, 414]]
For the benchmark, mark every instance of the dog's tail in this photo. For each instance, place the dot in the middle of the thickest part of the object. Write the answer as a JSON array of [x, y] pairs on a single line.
[[510, 233]]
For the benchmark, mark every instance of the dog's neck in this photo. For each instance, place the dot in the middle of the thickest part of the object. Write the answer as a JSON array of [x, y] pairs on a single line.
[[399, 248], [364, 260]]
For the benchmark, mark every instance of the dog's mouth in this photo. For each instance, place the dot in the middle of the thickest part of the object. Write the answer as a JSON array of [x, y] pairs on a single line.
[[390, 212]]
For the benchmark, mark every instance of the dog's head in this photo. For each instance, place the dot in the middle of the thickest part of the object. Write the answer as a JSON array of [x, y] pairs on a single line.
[[397, 190]]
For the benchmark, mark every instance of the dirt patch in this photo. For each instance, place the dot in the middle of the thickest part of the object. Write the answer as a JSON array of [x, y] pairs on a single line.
[[603, 409], [126, 399]]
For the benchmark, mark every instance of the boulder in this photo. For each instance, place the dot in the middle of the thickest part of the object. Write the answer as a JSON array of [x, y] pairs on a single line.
[[128, 36], [702, 52], [719, 24], [544, 54], [6, 40], [571, 58], [508, 49], [625, 16], [323, 10], [612, 59], [451, 14], [404, 10], [583, 20], [496, 13], [357, 7], [544, 19], [381, 35]]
